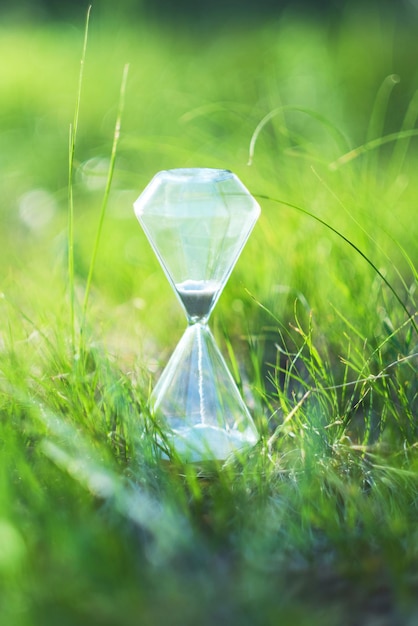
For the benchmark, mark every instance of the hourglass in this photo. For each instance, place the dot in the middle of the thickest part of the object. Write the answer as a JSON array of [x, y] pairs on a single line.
[[197, 222]]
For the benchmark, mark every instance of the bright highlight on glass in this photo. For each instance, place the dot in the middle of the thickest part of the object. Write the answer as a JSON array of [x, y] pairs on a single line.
[[197, 221]]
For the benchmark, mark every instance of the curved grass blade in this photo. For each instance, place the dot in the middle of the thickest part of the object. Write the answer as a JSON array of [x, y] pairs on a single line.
[[378, 114], [336, 133], [359, 225], [401, 147], [350, 243]]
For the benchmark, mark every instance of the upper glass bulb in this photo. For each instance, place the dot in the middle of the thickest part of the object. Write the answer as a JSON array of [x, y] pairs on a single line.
[[197, 221]]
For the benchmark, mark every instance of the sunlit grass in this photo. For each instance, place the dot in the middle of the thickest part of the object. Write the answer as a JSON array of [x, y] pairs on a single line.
[[318, 321]]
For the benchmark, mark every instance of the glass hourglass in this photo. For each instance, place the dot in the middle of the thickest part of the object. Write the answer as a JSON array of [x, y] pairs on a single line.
[[197, 221]]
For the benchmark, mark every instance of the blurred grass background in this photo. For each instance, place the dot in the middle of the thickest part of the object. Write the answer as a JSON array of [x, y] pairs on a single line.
[[196, 97], [296, 522]]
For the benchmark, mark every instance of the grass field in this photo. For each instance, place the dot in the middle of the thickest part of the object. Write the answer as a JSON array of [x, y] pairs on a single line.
[[318, 523]]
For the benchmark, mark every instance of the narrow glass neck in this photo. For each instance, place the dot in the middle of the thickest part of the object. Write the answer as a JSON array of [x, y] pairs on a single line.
[[198, 298]]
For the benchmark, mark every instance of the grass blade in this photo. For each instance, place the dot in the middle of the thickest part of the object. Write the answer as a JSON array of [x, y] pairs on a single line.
[[353, 245], [71, 145], [401, 147], [106, 194], [334, 131], [372, 145]]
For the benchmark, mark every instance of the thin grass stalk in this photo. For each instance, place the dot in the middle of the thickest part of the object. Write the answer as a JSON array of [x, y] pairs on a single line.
[[106, 195], [70, 245], [71, 153]]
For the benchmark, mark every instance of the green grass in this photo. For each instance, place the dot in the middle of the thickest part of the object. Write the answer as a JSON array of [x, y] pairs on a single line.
[[318, 523]]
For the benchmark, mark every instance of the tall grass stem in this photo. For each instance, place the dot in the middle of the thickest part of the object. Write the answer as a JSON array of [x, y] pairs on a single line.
[[106, 195], [71, 145]]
